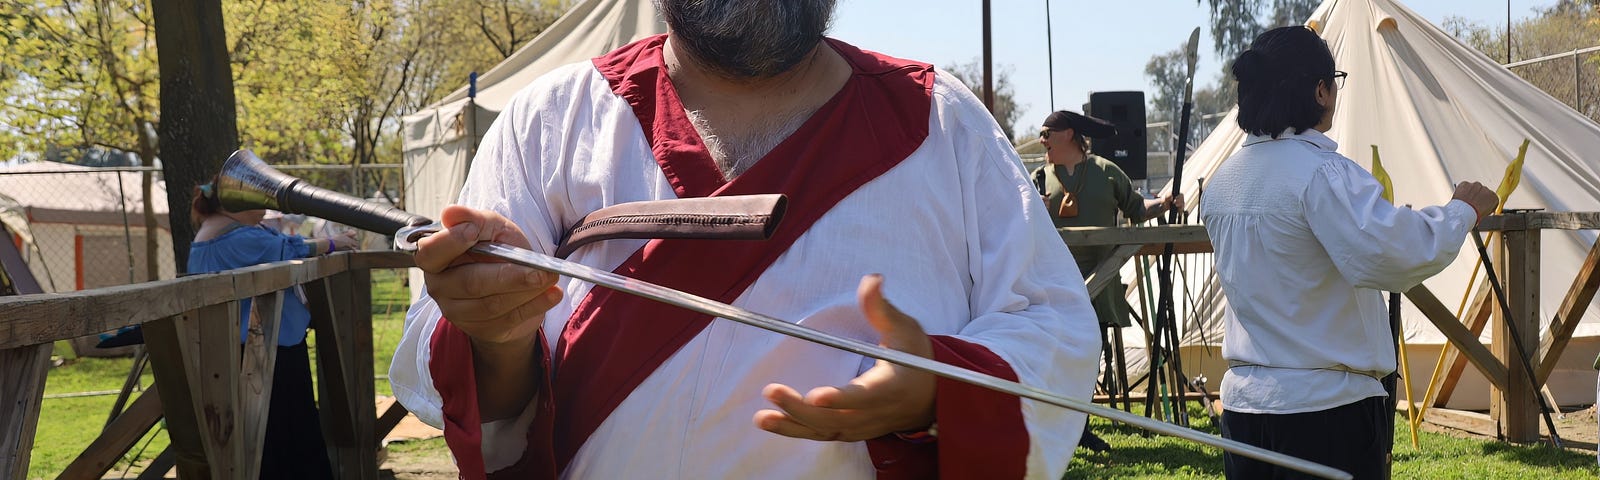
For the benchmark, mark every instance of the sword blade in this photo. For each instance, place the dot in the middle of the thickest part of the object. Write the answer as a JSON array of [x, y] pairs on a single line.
[[714, 308]]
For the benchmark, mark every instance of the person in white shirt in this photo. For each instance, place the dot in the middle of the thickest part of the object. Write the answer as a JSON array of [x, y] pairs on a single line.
[[901, 188], [1304, 244]]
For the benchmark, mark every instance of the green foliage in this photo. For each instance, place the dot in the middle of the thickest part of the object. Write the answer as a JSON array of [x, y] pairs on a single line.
[[1006, 111], [78, 73], [1234, 24], [316, 81], [1566, 26]]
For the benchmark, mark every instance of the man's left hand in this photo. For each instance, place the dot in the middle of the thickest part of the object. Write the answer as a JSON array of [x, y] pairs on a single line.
[[885, 399]]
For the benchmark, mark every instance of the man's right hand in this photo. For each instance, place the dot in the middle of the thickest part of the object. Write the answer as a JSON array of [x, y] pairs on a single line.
[[1481, 198], [500, 305]]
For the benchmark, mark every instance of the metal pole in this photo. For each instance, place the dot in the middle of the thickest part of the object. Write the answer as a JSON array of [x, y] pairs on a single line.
[[988, 62], [405, 240], [127, 234], [1508, 31], [1050, 56]]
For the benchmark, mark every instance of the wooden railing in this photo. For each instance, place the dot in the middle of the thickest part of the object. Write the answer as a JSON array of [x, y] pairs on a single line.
[[213, 394], [1514, 412]]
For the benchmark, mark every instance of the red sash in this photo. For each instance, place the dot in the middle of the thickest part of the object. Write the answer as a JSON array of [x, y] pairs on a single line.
[[877, 119]]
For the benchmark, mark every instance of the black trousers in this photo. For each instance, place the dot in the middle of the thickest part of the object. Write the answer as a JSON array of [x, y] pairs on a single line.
[[1355, 437], [294, 446]]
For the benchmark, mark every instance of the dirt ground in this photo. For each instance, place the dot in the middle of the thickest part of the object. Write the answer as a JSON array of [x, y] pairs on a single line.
[[1577, 428]]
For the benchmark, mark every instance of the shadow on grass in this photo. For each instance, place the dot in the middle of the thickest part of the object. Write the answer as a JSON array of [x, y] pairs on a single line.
[[1134, 455]]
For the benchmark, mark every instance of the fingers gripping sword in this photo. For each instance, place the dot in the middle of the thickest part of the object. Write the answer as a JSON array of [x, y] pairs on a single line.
[[246, 183]]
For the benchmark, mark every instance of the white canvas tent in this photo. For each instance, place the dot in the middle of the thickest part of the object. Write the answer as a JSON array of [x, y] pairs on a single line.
[[68, 221], [1440, 113], [439, 139]]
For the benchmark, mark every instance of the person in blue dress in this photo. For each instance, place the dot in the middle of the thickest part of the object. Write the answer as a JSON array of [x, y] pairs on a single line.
[[294, 447]]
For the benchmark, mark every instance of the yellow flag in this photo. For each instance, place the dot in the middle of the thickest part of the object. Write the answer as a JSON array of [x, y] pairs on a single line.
[[1513, 176], [1382, 176]]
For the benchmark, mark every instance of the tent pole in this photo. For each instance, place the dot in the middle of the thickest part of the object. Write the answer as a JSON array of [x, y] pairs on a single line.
[[1050, 56], [988, 62]]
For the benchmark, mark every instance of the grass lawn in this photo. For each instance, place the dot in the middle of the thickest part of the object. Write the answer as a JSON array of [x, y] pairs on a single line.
[[1134, 456], [67, 425]]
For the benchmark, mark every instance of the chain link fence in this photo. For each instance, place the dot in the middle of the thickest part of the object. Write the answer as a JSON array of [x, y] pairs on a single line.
[[1569, 77], [83, 227], [1163, 136]]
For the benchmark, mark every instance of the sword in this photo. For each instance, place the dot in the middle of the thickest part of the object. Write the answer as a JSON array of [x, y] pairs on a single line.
[[247, 183]]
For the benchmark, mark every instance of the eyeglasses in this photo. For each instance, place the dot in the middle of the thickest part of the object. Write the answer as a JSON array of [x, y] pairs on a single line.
[[1338, 79]]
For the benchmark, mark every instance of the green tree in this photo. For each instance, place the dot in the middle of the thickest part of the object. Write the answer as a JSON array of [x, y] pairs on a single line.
[[1566, 26], [313, 81], [1006, 111], [1234, 24], [83, 74]]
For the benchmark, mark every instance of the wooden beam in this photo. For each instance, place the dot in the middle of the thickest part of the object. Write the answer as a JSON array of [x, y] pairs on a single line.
[[1478, 314], [1470, 421], [1441, 317], [119, 437], [391, 418], [1084, 236], [1177, 248], [23, 369], [217, 392], [362, 461], [22, 375], [173, 346], [35, 319], [343, 321], [1569, 315], [1514, 405], [1107, 270], [379, 259], [1541, 221], [158, 466], [323, 299], [44, 318], [260, 356]]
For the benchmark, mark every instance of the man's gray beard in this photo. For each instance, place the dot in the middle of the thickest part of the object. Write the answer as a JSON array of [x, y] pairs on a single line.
[[747, 38]]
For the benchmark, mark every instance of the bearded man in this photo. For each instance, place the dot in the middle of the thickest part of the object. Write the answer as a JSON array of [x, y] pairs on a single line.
[[900, 186]]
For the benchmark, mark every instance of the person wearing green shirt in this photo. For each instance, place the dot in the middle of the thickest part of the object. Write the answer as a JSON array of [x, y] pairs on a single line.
[[1081, 189], [1084, 190]]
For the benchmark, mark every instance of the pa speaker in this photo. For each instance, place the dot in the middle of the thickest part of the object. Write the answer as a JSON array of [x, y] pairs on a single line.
[[1128, 148]]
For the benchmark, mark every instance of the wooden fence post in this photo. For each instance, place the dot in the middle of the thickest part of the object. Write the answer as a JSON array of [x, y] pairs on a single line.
[[22, 372], [1514, 409], [341, 312], [22, 375]]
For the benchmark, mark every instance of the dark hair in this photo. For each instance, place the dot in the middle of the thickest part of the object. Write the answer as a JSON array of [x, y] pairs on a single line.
[[1077, 136], [205, 203], [1278, 80]]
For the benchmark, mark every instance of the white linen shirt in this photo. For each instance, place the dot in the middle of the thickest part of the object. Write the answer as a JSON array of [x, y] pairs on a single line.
[[1304, 244], [956, 229]]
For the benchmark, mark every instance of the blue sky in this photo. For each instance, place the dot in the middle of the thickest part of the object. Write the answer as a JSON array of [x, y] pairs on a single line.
[[1099, 45]]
